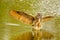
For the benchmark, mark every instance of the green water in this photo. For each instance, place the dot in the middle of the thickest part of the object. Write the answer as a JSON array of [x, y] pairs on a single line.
[[31, 7]]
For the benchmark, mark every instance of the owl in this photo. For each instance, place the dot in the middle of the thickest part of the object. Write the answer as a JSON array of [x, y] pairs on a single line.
[[34, 21]]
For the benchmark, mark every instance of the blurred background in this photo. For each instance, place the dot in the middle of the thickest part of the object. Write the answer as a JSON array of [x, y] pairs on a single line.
[[10, 27]]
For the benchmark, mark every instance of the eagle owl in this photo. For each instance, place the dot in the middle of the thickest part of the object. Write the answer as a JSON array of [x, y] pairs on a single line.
[[35, 22]]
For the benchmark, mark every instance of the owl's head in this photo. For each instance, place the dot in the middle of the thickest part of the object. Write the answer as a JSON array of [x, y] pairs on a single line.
[[38, 16]]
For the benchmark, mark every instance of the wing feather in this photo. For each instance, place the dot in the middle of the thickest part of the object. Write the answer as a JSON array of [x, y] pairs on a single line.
[[44, 19], [28, 19]]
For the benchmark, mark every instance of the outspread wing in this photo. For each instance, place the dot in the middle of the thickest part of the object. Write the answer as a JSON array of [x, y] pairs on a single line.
[[28, 19], [44, 19]]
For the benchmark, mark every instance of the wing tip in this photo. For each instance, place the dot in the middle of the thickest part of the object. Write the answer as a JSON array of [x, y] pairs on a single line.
[[47, 18]]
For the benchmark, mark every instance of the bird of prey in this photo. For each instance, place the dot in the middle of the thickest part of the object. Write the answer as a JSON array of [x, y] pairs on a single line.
[[28, 19], [33, 21]]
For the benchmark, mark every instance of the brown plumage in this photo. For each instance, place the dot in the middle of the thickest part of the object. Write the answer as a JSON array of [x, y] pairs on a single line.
[[28, 19], [47, 18]]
